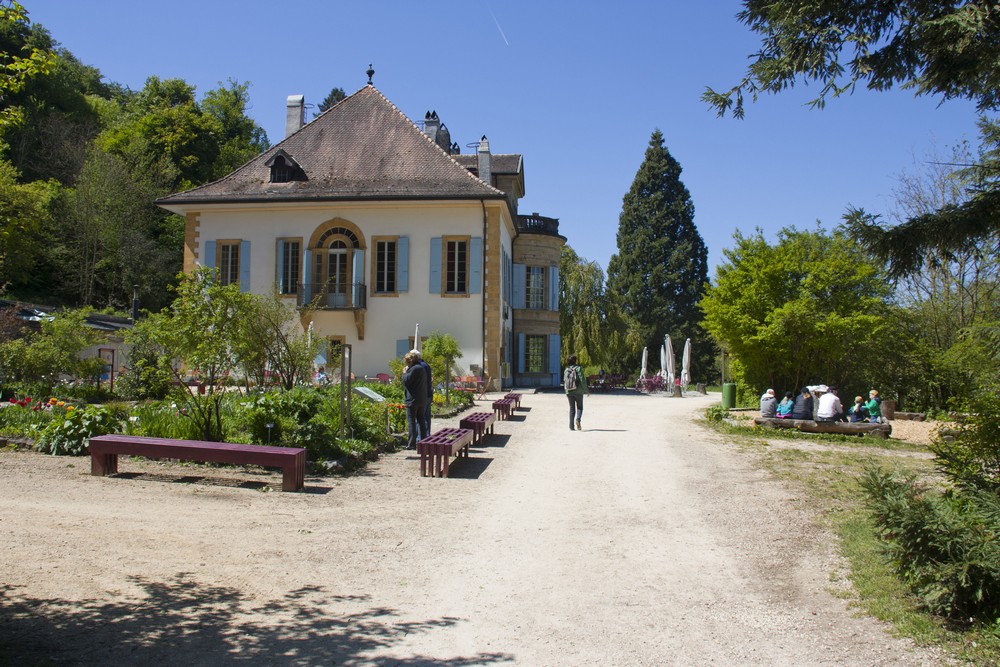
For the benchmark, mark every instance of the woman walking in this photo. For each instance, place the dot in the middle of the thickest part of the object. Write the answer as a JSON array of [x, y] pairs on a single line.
[[576, 386]]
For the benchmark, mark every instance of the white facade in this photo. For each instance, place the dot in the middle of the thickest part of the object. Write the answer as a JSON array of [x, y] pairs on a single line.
[[387, 322]]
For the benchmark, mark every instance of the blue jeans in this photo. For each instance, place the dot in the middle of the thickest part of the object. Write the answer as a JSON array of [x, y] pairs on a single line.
[[415, 425], [575, 408]]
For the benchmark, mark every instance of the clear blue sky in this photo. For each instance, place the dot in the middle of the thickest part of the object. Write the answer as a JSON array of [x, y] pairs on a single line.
[[576, 88]]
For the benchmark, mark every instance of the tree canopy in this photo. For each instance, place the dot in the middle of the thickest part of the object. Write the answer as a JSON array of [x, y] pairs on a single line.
[[953, 229], [335, 95], [935, 47], [661, 266], [810, 309]]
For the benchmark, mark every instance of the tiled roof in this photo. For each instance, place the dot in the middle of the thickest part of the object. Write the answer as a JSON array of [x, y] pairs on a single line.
[[361, 148], [500, 163]]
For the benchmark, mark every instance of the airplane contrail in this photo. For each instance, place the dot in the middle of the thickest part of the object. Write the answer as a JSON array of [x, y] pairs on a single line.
[[498, 25]]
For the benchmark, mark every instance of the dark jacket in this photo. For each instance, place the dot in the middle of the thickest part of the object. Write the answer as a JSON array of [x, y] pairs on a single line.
[[415, 386], [803, 408], [430, 380]]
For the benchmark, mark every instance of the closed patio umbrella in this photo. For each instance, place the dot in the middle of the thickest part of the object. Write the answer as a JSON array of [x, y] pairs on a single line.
[[671, 363], [416, 338], [645, 359], [686, 364]]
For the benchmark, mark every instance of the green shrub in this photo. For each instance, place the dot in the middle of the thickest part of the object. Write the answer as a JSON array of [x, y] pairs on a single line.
[[69, 435], [944, 545], [716, 413], [158, 419], [972, 459]]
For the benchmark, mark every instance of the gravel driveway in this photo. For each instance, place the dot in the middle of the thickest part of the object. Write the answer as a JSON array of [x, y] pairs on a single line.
[[642, 540]]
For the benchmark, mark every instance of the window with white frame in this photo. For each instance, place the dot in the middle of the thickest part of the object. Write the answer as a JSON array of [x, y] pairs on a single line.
[[534, 354], [534, 290], [227, 262], [289, 259], [386, 265], [456, 265]]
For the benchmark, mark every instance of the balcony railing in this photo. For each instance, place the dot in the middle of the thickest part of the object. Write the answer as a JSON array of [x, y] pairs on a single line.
[[327, 297], [538, 224]]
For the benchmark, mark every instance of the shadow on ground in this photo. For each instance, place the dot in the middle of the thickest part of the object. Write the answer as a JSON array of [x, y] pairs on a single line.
[[495, 440], [469, 468], [185, 622], [205, 480]]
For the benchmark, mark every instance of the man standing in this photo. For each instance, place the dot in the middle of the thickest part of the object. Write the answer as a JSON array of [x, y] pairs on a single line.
[[415, 397], [830, 407], [426, 423]]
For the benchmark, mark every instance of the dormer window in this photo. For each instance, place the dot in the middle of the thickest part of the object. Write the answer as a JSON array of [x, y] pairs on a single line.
[[284, 168]]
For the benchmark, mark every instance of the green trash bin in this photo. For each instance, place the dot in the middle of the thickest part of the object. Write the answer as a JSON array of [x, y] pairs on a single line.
[[729, 395]]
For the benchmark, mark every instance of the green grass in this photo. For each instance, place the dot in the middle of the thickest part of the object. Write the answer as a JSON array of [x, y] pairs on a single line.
[[828, 479]]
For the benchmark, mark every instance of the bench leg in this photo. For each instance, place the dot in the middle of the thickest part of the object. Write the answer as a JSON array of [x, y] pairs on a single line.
[[424, 455], [446, 455], [103, 464], [290, 478]]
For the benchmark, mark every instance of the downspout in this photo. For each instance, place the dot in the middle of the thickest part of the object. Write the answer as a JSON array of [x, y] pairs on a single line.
[[482, 272]]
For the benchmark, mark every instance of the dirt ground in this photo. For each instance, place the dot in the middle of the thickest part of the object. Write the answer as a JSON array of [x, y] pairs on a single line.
[[642, 540]]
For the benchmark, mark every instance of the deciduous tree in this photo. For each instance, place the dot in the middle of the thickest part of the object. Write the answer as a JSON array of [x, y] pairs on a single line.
[[812, 308]]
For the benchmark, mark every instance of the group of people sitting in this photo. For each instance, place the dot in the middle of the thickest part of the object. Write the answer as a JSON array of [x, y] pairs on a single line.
[[822, 404]]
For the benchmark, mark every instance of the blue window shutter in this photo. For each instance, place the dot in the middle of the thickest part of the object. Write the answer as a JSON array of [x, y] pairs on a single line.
[[281, 267], [244, 266], [358, 275], [359, 265], [553, 288], [518, 285], [402, 347], [306, 276], [209, 259], [520, 353], [475, 265], [435, 281], [555, 344], [403, 264]]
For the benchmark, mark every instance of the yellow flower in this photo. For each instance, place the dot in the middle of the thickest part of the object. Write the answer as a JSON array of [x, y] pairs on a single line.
[[69, 407], [52, 401], [61, 403]]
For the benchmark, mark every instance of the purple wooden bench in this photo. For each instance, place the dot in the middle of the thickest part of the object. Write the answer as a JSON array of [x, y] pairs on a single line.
[[104, 451], [503, 408], [478, 422], [437, 449], [516, 397]]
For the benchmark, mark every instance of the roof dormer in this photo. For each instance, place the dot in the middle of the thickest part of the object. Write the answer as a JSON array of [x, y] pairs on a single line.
[[284, 168]]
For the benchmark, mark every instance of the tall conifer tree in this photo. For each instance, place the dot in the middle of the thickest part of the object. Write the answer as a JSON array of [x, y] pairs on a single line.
[[661, 266]]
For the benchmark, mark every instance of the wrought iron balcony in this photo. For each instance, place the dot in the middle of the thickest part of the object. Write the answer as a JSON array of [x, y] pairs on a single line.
[[353, 296], [538, 224]]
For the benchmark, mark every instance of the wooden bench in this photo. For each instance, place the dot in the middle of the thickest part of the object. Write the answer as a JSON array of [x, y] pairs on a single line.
[[104, 451], [437, 449], [516, 397], [503, 408], [478, 422], [810, 426]]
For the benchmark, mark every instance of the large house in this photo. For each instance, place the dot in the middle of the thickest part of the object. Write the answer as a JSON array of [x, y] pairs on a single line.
[[369, 224]]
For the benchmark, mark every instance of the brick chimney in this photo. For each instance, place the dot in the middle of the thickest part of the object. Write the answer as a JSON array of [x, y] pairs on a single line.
[[295, 114], [485, 166]]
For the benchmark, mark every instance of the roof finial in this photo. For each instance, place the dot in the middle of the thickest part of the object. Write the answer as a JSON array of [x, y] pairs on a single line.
[[370, 73]]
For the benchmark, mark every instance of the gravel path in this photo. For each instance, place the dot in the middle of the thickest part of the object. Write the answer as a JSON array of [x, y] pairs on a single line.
[[642, 540]]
